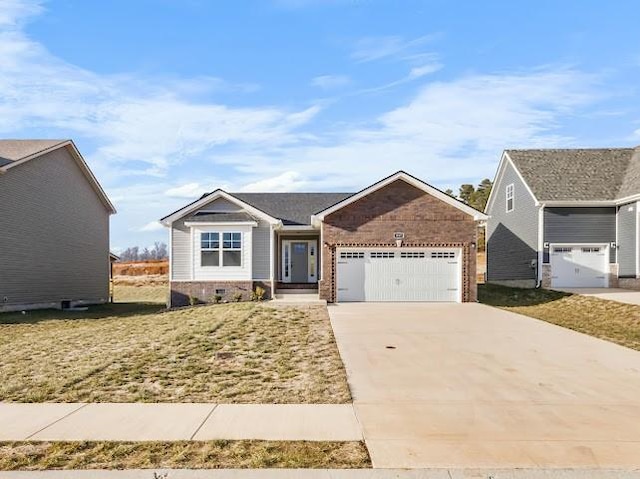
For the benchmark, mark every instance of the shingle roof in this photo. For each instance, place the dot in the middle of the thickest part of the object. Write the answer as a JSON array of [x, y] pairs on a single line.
[[291, 208], [603, 174], [222, 217], [14, 150]]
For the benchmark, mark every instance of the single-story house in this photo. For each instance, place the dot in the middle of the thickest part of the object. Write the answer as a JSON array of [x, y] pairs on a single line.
[[399, 239], [565, 218], [54, 227]]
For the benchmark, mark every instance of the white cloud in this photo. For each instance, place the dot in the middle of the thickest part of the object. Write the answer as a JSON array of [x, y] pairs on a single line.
[[423, 70], [190, 190], [152, 226], [376, 48], [287, 181], [153, 121], [327, 82], [15, 12]]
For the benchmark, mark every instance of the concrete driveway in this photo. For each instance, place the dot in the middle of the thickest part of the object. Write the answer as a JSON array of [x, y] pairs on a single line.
[[466, 385], [628, 296]]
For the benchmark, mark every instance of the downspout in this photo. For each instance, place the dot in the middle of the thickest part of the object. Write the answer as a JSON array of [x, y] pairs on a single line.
[[540, 260]]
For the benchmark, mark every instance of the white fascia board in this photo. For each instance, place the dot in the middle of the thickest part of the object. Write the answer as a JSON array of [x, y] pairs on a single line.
[[214, 196], [551, 204], [298, 228], [220, 223], [401, 175]]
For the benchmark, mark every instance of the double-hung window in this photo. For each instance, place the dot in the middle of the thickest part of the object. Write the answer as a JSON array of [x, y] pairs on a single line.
[[217, 251], [510, 198], [210, 249], [231, 249]]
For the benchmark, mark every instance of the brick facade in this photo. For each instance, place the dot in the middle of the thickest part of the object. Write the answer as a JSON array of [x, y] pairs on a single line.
[[204, 291], [425, 221]]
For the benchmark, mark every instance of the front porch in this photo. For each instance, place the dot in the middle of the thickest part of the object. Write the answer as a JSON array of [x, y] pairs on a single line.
[[297, 259]]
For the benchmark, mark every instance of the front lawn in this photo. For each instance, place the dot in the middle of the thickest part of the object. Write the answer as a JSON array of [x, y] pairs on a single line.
[[33, 456], [609, 320], [230, 353]]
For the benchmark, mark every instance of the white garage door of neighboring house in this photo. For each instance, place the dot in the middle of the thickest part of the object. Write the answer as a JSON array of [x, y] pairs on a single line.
[[399, 274], [579, 266]]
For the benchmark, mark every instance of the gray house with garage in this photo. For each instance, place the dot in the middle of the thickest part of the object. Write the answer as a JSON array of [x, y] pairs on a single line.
[[565, 218]]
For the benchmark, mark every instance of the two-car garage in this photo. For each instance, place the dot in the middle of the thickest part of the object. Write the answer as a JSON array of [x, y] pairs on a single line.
[[399, 274]]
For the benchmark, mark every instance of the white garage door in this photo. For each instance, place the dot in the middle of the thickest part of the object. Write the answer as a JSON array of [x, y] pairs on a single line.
[[579, 266], [399, 274]]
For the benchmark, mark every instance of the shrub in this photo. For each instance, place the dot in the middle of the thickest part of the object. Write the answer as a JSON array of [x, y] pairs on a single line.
[[193, 300], [237, 297], [258, 294], [217, 298]]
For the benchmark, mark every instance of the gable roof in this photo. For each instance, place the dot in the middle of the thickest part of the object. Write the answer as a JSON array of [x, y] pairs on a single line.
[[14, 150], [292, 208], [598, 174], [206, 217], [302, 209], [14, 153], [413, 181]]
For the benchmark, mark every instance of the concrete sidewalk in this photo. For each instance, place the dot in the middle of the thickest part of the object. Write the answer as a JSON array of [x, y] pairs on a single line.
[[175, 422], [330, 474]]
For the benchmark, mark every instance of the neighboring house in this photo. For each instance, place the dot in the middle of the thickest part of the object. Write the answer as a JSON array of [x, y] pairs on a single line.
[[54, 227], [399, 239], [565, 218]]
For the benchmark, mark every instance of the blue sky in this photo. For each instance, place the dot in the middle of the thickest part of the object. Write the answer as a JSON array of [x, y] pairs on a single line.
[[167, 99]]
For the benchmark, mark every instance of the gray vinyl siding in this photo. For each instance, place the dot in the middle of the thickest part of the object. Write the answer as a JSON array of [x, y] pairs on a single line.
[[512, 238], [220, 205], [627, 240], [180, 251], [181, 245], [54, 234], [261, 251], [580, 225]]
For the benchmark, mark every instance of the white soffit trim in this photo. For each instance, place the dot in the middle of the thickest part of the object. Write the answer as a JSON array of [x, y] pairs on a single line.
[[75, 153], [167, 220], [221, 223], [401, 175]]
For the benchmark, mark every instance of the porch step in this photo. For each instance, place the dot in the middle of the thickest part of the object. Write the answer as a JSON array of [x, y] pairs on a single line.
[[299, 296], [283, 291]]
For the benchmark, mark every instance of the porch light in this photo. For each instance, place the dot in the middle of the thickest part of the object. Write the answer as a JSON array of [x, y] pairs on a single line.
[[613, 245]]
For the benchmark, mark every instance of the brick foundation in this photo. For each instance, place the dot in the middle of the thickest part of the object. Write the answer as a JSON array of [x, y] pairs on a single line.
[[546, 275], [205, 291], [426, 222]]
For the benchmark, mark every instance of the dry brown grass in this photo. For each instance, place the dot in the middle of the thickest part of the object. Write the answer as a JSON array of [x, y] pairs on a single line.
[[609, 320], [231, 353], [33, 456], [140, 289]]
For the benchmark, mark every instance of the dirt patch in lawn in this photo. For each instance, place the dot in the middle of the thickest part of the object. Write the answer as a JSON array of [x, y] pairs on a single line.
[[609, 320], [231, 353], [33, 456]]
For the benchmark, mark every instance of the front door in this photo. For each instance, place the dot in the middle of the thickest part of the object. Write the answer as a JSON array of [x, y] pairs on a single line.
[[299, 262]]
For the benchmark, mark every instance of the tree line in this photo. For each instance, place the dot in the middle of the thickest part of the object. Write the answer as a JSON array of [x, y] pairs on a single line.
[[476, 197], [134, 253]]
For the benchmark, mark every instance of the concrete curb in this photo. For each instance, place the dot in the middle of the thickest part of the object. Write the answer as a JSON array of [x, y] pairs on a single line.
[[328, 474]]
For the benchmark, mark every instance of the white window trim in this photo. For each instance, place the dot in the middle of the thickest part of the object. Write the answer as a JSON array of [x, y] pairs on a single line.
[[510, 188], [221, 249]]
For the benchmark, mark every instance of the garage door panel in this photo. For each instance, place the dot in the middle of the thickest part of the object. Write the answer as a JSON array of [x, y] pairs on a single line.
[[399, 275], [579, 266]]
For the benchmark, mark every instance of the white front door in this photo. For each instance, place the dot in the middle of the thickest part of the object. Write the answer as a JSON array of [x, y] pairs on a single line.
[[399, 274], [579, 266]]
